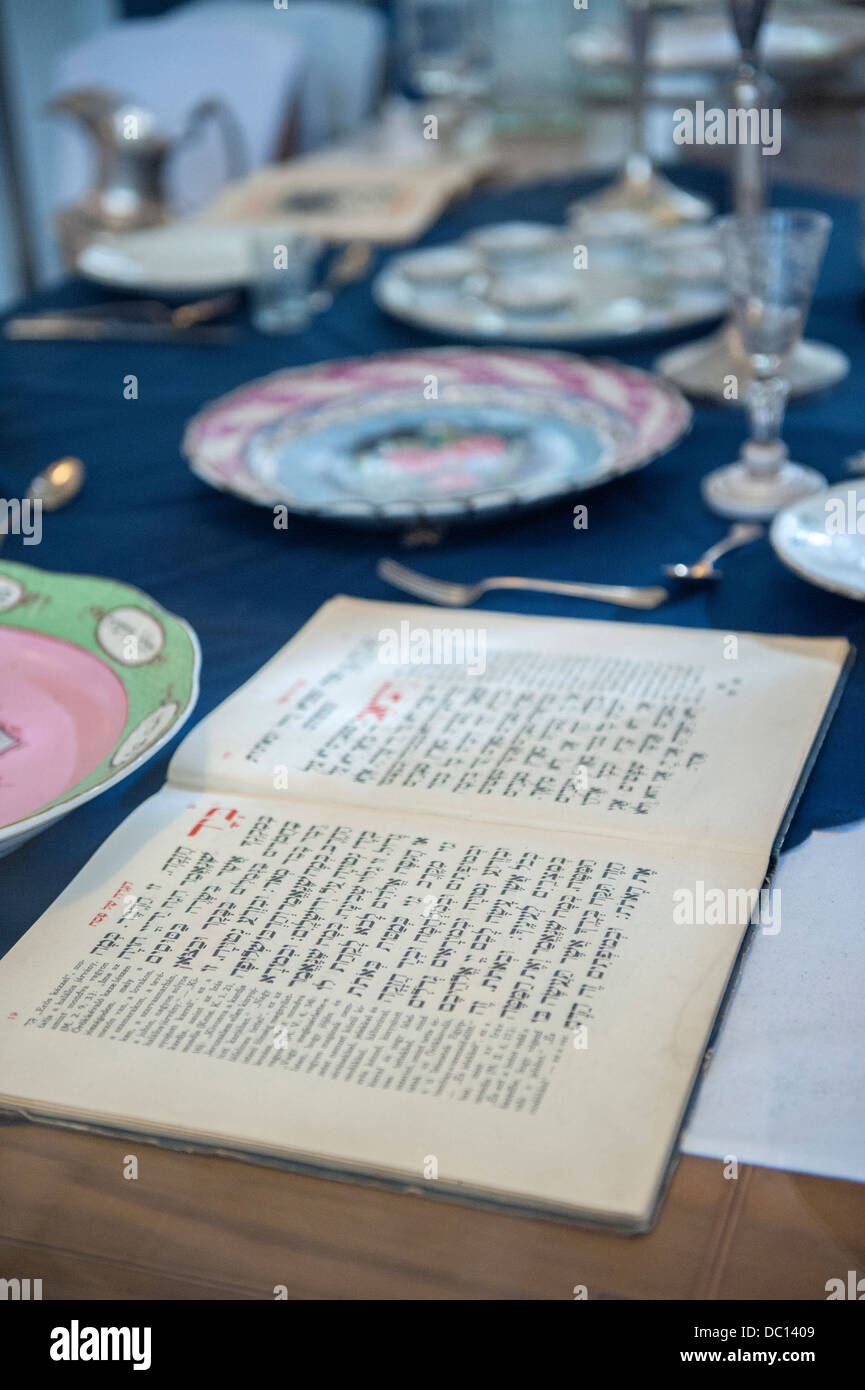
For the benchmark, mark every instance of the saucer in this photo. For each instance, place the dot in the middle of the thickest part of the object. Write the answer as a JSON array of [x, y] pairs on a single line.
[[819, 538]]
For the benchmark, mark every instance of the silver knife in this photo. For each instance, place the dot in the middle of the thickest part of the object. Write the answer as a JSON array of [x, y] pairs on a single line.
[[71, 327]]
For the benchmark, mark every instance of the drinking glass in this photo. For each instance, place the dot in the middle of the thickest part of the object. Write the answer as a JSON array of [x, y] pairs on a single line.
[[773, 260], [701, 368], [534, 77], [282, 262], [445, 54], [641, 199]]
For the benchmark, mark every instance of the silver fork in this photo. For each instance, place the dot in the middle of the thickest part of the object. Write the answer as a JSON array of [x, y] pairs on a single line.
[[461, 595], [625, 595]]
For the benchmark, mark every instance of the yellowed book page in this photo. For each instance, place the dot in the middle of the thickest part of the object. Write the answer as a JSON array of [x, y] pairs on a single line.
[[637, 731], [470, 1007]]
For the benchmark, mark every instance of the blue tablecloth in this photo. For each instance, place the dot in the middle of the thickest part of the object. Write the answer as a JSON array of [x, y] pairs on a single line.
[[246, 588]]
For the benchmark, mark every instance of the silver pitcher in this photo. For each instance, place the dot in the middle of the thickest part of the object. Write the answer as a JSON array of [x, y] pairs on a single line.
[[132, 154]]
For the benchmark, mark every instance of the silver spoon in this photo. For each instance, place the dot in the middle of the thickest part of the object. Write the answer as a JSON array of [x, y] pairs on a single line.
[[54, 486], [704, 569]]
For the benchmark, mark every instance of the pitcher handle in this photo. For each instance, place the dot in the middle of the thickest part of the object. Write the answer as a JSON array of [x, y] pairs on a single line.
[[233, 141]]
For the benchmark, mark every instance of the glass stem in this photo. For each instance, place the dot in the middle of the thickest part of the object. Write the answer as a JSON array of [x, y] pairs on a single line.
[[749, 162], [766, 399], [749, 166], [638, 166]]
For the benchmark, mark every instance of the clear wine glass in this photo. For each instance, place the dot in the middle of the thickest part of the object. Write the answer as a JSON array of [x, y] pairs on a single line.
[[773, 260], [641, 200], [701, 368], [446, 55]]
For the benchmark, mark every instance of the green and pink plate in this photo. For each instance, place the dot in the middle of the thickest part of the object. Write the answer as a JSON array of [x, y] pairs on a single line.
[[95, 677]]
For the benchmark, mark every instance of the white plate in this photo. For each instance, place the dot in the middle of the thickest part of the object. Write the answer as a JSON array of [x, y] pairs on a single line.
[[184, 257], [534, 293], [509, 241], [818, 538], [442, 266], [607, 302]]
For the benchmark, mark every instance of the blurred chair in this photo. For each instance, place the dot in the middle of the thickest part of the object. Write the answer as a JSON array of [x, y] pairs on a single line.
[[171, 64], [346, 45]]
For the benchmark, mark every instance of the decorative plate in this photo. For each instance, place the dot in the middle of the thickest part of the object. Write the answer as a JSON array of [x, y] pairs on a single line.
[[444, 434], [822, 538], [94, 678]]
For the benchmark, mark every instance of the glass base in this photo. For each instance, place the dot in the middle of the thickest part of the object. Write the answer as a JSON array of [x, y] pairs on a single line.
[[279, 317], [738, 491], [635, 206], [703, 368]]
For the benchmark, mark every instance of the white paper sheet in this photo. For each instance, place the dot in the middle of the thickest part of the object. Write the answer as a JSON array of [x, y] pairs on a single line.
[[786, 1084]]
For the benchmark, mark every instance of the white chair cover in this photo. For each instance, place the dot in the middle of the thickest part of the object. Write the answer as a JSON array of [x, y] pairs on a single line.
[[346, 45], [170, 64]]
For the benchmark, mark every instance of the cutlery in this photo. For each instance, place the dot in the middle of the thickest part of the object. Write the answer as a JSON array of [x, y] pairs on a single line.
[[623, 595], [704, 569], [55, 485], [142, 311], [351, 264], [202, 310], [81, 327], [461, 595]]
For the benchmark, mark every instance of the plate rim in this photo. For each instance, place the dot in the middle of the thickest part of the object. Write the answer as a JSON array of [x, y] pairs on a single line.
[[856, 595], [154, 286]]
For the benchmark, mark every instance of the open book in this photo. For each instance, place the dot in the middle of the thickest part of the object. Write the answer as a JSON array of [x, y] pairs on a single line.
[[452, 908]]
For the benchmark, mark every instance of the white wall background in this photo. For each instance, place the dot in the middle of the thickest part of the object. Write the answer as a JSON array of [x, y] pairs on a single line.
[[33, 32]]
